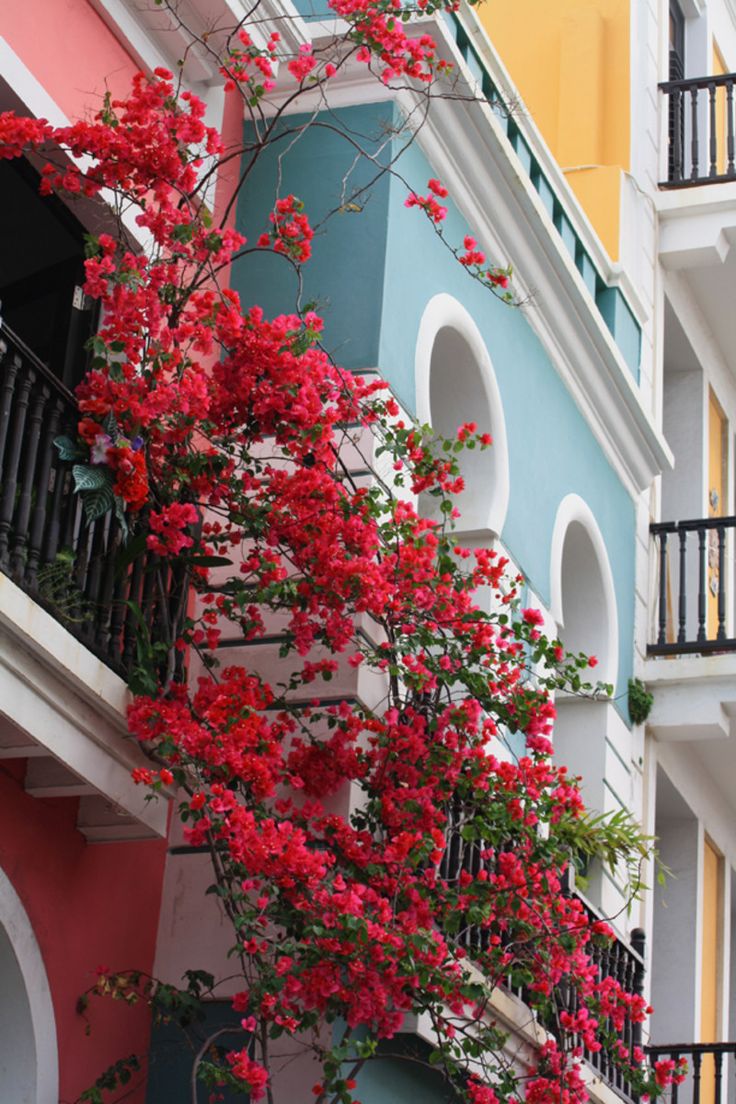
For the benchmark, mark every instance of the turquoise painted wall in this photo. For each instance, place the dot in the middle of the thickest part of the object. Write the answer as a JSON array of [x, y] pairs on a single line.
[[344, 276], [401, 1079], [378, 269]]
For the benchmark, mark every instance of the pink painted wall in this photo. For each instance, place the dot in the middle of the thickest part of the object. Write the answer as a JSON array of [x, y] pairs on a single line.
[[69, 50], [89, 905]]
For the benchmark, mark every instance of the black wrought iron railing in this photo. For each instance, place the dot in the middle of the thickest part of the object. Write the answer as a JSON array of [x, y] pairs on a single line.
[[695, 586], [700, 114], [618, 959], [711, 1068], [77, 570]]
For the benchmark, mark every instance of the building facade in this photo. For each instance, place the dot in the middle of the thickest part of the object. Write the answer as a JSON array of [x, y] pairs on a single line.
[[594, 152]]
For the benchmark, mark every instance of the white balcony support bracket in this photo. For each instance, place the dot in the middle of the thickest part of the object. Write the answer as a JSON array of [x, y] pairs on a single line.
[[56, 695], [697, 226]]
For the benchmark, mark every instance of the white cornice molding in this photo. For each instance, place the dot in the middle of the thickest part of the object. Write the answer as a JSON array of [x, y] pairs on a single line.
[[155, 38]]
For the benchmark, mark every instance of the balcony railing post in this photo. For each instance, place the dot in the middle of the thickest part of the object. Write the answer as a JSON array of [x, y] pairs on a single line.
[[701, 584], [10, 363], [676, 119], [682, 605], [713, 145], [12, 462], [718, 1059], [694, 153], [662, 636], [639, 944], [697, 1064], [721, 633], [730, 168], [43, 492], [27, 483]]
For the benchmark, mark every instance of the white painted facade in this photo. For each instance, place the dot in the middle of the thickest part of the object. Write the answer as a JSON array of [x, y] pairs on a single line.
[[677, 247]]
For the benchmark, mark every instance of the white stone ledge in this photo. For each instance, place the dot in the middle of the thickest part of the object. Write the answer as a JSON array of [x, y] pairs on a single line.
[[58, 694]]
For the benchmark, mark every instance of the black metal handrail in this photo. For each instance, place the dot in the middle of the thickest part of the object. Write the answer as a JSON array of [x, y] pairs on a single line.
[[699, 624], [619, 959], [698, 153], [75, 569], [702, 1076]]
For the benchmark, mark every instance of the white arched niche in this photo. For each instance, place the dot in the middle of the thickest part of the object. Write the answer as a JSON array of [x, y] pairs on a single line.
[[583, 604], [455, 383], [581, 587], [28, 1053]]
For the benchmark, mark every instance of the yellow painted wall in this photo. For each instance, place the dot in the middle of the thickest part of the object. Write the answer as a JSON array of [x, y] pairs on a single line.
[[570, 61], [712, 904], [719, 67], [717, 499]]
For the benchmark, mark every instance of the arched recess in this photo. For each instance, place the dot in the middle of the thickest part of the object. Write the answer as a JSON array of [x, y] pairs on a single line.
[[455, 383], [581, 587], [28, 1054]]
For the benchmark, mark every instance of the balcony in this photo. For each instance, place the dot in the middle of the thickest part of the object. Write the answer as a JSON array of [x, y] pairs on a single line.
[[76, 610], [694, 601], [700, 115], [710, 1070], [78, 571], [619, 959]]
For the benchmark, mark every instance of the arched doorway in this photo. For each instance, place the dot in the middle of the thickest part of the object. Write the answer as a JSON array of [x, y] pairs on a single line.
[[28, 1055]]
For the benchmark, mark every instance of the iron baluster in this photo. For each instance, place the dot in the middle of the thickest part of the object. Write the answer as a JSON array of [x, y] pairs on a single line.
[[27, 484], [718, 1059], [713, 170], [694, 154], [730, 167], [721, 634], [702, 604], [676, 108], [682, 607], [43, 494], [12, 463], [662, 638], [10, 365], [697, 1062]]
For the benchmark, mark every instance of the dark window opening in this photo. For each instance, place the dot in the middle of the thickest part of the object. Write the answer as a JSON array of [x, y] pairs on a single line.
[[42, 273], [677, 42]]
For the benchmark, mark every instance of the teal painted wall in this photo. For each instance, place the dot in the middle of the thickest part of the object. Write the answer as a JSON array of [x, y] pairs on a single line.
[[344, 276], [378, 269], [402, 1079]]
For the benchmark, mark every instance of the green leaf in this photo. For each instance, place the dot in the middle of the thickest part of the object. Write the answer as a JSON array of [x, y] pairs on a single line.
[[87, 478], [122, 519], [110, 426], [68, 449], [97, 502]]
